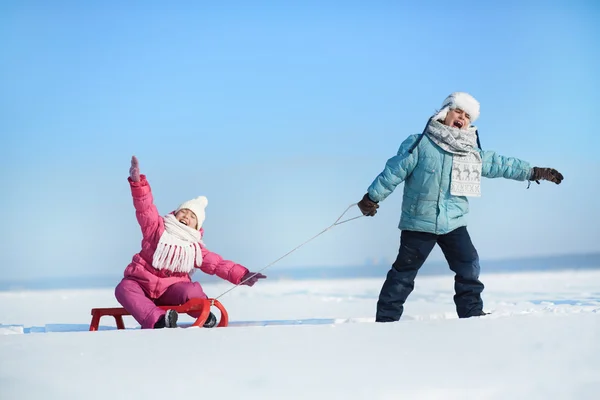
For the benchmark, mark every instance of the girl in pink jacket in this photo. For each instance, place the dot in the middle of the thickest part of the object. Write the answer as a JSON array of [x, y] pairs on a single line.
[[159, 275]]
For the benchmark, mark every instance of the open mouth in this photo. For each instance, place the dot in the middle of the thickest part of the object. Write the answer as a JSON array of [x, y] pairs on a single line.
[[183, 221], [458, 124]]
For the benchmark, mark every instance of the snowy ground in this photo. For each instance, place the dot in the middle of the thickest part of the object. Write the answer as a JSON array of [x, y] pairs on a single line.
[[315, 340]]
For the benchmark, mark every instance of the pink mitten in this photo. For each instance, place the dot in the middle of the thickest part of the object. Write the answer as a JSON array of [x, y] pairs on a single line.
[[251, 278], [134, 171]]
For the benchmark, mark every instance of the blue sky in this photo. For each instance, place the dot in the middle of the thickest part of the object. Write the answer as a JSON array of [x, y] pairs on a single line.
[[282, 113]]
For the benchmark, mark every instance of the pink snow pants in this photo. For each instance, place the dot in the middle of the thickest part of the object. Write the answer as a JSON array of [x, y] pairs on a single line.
[[145, 311]]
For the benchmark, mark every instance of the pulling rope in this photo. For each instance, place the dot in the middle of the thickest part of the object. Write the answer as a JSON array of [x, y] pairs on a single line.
[[337, 222]]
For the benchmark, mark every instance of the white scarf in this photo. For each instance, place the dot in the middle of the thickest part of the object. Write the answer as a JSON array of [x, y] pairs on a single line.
[[466, 160], [178, 248]]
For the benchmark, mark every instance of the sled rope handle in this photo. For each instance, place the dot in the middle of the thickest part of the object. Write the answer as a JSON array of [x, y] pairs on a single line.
[[337, 222]]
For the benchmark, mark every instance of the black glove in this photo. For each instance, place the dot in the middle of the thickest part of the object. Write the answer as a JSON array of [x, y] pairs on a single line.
[[367, 206], [546, 174]]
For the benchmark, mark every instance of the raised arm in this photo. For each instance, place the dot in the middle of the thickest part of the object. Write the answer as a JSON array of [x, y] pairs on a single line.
[[145, 210]]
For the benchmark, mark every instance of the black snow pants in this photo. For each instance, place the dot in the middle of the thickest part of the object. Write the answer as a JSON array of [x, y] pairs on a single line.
[[415, 247]]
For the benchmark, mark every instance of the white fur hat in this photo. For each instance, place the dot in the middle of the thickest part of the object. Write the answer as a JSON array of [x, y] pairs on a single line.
[[197, 206], [461, 100]]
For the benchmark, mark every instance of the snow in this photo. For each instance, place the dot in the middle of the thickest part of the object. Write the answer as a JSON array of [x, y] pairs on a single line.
[[316, 340]]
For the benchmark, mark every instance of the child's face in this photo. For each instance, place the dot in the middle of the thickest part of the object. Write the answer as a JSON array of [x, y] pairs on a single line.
[[457, 118], [187, 217]]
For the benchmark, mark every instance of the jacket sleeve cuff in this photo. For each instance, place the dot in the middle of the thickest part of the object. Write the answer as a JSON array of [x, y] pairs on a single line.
[[140, 188], [371, 197], [237, 273]]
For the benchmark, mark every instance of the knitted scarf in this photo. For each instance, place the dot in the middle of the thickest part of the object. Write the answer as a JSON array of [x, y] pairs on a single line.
[[466, 160], [178, 248]]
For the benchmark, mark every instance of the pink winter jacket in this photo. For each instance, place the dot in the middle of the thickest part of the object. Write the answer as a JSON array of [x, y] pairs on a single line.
[[154, 281]]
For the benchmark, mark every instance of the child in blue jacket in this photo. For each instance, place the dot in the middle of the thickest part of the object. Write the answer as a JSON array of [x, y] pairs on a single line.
[[440, 168]]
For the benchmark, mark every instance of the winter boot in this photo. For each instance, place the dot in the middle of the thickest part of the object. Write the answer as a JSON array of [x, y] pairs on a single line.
[[169, 320], [211, 321]]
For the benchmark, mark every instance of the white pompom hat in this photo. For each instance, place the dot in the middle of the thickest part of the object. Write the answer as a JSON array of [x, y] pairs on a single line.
[[197, 206], [461, 100]]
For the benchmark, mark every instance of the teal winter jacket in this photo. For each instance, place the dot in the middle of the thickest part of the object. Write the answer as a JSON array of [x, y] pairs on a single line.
[[427, 205]]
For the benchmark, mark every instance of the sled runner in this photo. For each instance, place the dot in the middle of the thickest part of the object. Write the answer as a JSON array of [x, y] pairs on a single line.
[[201, 305]]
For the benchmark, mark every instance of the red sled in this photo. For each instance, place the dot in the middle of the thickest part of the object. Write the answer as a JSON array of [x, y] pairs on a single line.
[[202, 305]]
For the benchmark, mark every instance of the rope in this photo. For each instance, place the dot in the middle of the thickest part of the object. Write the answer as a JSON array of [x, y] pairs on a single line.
[[337, 222]]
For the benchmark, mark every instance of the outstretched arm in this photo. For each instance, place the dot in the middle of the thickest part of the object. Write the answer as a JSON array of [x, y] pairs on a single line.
[[396, 170], [497, 166], [214, 264], [145, 210]]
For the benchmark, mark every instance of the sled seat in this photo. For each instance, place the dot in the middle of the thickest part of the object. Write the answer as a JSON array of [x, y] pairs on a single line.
[[201, 305]]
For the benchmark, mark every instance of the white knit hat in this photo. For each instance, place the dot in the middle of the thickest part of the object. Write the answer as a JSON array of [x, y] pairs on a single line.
[[197, 206], [461, 100]]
